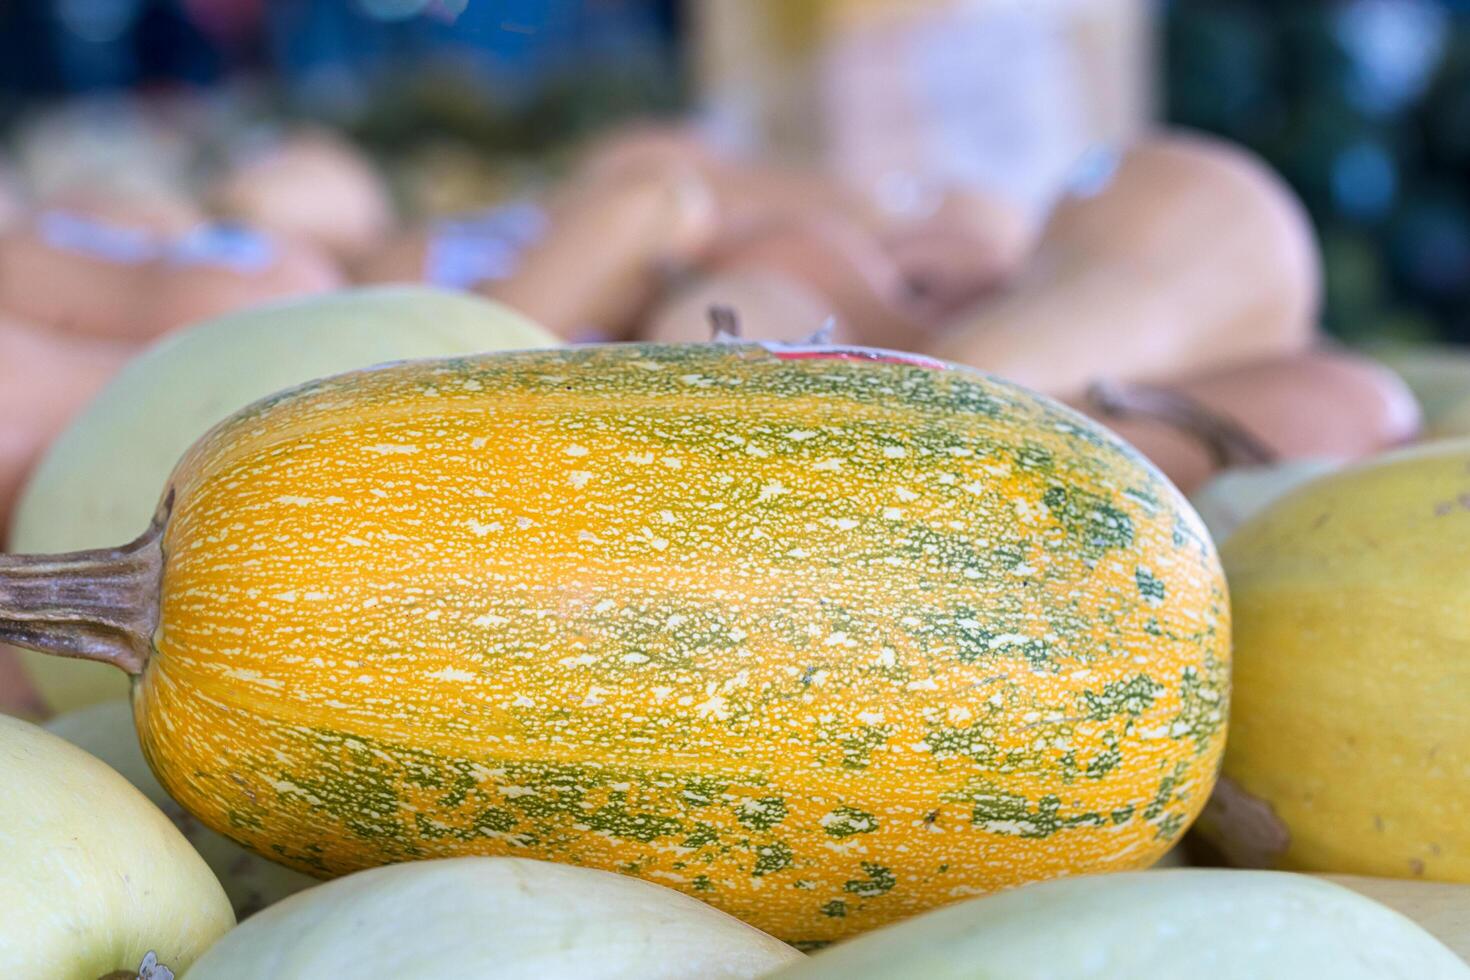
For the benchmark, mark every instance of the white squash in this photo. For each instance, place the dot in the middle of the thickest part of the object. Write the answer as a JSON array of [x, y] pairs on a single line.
[[99, 481], [251, 882], [92, 876], [491, 918], [1195, 922], [1441, 908]]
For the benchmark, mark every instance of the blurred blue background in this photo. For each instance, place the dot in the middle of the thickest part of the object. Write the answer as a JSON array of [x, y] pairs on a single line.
[[1364, 105]]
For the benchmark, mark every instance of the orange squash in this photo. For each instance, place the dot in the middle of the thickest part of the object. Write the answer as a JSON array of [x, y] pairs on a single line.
[[825, 637], [948, 246]]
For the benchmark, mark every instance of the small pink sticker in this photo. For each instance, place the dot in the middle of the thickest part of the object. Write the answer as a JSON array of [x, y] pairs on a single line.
[[857, 354]]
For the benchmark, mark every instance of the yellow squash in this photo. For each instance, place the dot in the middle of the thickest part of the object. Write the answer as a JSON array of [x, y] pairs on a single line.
[[92, 876], [1350, 735], [824, 638]]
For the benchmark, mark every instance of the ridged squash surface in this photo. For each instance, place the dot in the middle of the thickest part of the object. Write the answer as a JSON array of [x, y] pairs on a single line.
[[824, 638], [1350, 742]]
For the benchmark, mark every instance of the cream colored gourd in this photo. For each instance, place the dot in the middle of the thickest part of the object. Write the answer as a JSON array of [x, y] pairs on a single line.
[[92, 875], [1207, 923], [1443, 910], [99, 481], [492, 918], [251, 882]]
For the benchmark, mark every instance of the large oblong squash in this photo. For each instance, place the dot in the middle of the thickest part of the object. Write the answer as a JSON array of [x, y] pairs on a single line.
[[823, 637]]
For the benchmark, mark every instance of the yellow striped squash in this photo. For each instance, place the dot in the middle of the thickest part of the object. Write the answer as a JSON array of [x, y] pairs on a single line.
[[825, 638]]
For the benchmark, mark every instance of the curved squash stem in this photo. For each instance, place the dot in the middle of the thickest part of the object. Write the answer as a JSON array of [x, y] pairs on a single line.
[[1227, 441], [96, 605]]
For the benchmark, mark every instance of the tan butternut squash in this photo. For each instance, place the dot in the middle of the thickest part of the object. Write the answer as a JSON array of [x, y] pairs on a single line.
[[46, 376], [834, 262], [948, 245], [769, 305], [607, 251], [748, 195], [310, 185], [1195, 257], [218, 269], [156, 211], [1322, 404], [74, 272]]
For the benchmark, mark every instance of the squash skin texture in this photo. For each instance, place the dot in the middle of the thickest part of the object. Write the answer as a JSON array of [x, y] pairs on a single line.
[[1350, 745], [1188, 922], [92, 875], [106, 731], [824, 641], [1442, 910], [479, 917], [99, 480]]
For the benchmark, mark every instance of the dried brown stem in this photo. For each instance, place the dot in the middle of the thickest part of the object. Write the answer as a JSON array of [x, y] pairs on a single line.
[[96, 605], [1228, 442]]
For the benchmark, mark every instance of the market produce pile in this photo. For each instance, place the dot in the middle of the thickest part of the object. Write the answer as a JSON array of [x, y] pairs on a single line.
[[686, 566]]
